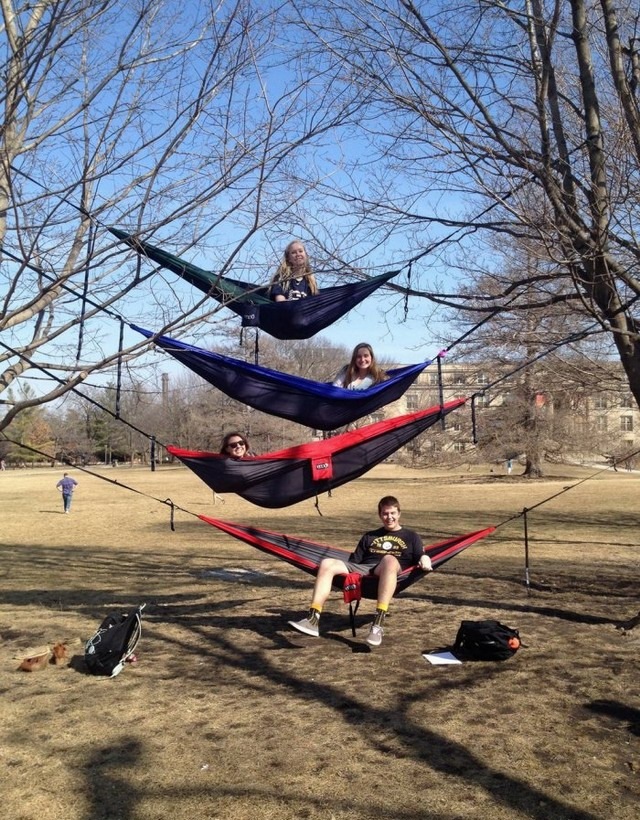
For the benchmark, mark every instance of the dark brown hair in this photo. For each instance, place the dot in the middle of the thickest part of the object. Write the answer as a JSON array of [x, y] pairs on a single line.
[[225, 441], [388, 501]]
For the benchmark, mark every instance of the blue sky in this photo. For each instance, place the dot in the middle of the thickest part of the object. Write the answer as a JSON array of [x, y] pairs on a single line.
[[392, 338], [379, 320]]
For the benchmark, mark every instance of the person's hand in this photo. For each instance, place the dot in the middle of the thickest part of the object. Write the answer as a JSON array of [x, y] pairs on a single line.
[[425, 563]]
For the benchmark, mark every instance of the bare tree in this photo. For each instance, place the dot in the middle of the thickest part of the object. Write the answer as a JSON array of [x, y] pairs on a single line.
[[174, 123], [559, 363], [486, 121]]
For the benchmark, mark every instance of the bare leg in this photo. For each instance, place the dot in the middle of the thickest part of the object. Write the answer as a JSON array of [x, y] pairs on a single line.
[[327, 571], [387, 572]]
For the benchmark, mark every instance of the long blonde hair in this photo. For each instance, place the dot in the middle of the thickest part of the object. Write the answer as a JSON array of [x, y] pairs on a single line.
[[284, 275], [375, 371]]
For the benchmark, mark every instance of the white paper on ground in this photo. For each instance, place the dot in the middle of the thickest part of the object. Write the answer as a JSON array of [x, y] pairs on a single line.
[[440, 658]]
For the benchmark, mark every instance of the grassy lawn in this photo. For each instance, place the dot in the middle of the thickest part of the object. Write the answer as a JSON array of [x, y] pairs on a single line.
[[229, 714]]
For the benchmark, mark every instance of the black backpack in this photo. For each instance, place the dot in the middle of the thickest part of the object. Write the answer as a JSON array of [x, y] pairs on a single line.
[[107, 651], [486, 641]]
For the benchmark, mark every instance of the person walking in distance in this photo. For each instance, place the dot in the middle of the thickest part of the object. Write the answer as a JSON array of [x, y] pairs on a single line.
[[66, 485]]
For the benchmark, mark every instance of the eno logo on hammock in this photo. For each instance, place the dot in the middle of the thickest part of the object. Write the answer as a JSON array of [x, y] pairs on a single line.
[[322, 469]]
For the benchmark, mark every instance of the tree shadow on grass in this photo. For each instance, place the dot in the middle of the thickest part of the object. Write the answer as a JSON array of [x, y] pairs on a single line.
[[618, 711], [210, 623], [98, 565], [511, 607], [92, 574], [428, 747], [109, 790]]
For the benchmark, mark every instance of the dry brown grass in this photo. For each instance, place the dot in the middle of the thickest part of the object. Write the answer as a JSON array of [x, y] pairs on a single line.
[[230, 715]]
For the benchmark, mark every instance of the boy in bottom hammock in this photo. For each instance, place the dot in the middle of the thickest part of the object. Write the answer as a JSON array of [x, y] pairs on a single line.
[[383, 552]]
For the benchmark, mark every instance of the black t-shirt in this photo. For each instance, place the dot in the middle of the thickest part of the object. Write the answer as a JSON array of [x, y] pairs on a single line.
[[405, 545], [298, 289]]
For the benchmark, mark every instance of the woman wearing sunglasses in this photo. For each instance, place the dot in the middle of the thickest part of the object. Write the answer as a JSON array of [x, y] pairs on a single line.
[[235, 445]]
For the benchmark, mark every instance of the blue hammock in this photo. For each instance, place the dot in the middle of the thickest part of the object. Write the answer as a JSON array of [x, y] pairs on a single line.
[[315, 404], [299, 319]]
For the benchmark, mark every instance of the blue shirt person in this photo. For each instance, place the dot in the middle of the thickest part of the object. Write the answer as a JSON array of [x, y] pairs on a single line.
[[66, 485]]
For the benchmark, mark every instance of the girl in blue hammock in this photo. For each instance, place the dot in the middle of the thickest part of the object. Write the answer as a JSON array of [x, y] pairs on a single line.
[[362, 371]]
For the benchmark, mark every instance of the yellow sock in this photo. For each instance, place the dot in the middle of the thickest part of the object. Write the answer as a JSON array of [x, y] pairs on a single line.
[[381, 611]]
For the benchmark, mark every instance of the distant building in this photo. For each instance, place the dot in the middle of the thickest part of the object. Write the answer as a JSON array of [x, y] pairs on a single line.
[[610, 412]]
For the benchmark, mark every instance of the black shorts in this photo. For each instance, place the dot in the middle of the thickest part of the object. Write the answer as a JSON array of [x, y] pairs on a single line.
[[361, 569]]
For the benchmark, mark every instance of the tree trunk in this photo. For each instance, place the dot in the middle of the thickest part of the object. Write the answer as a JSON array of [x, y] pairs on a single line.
[[533, 467]]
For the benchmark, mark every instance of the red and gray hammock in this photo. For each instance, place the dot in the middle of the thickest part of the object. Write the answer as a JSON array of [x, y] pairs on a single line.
[[296, 473], [307, 555]]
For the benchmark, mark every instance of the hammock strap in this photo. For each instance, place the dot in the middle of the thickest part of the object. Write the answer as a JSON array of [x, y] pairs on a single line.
[[152, 452], [138, 276], [406, 294], [352, 615], [474, 430], [527, 579], [119, 372], [85, 289], [441, 390], [172, 513]]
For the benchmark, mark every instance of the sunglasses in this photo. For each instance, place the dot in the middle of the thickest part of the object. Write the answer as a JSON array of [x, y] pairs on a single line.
[[235, 444]]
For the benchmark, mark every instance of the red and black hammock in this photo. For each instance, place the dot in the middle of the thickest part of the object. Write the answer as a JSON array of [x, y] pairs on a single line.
[[307, 555], [297, 319], [287, 476]]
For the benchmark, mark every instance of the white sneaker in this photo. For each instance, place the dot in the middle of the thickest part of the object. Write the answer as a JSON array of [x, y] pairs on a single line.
[[306, 626], [374, 638]]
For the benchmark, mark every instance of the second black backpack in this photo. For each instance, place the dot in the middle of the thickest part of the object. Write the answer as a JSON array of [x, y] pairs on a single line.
[[486, 641]]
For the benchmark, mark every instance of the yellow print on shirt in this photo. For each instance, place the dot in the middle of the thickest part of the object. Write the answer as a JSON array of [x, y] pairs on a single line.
[[388, 544]]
